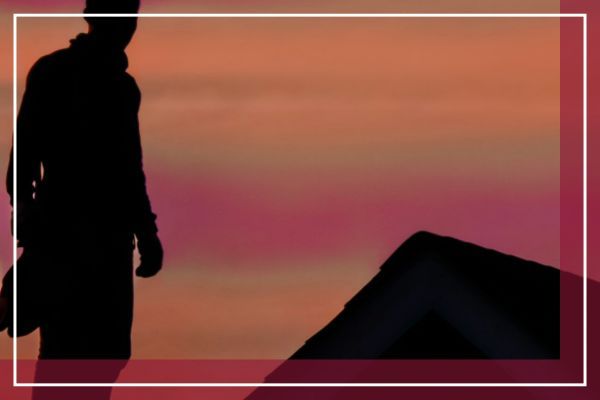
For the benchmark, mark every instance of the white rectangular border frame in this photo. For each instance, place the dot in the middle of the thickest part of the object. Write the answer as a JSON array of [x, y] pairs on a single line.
[[309, 15]]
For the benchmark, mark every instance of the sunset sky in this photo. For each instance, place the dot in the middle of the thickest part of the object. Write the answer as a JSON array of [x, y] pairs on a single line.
[[287, 159]]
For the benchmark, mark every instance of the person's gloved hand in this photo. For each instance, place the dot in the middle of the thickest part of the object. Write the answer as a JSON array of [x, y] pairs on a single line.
[[151, 255]]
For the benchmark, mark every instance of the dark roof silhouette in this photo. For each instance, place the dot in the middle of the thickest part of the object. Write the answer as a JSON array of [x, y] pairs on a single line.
[[438, 297]]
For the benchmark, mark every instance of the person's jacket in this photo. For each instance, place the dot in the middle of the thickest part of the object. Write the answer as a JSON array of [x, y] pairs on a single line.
[[79, 157]]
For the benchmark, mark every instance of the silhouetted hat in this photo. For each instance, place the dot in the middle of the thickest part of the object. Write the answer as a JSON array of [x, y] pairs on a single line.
[[111, 6]]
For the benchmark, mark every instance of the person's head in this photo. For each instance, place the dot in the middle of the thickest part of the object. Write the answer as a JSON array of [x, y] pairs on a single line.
[[116, 31]]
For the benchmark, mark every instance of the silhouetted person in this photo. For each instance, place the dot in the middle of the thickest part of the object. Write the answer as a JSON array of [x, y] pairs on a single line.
[[82, 197]]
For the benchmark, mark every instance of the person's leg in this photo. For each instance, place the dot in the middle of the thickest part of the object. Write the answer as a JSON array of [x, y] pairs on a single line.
[[76, 371], [65, 357], [86, 334]]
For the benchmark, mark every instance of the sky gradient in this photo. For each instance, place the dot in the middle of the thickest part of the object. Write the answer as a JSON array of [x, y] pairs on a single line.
[[287, 159]]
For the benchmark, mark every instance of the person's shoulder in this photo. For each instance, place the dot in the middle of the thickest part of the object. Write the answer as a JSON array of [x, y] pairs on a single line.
[[46, 67]]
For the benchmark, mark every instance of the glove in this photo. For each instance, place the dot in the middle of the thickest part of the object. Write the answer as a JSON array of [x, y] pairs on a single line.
[[151, 255]]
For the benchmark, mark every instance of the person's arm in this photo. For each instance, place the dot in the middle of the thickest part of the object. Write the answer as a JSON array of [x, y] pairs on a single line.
[[6, 295], [144, 220], [28, 165]]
